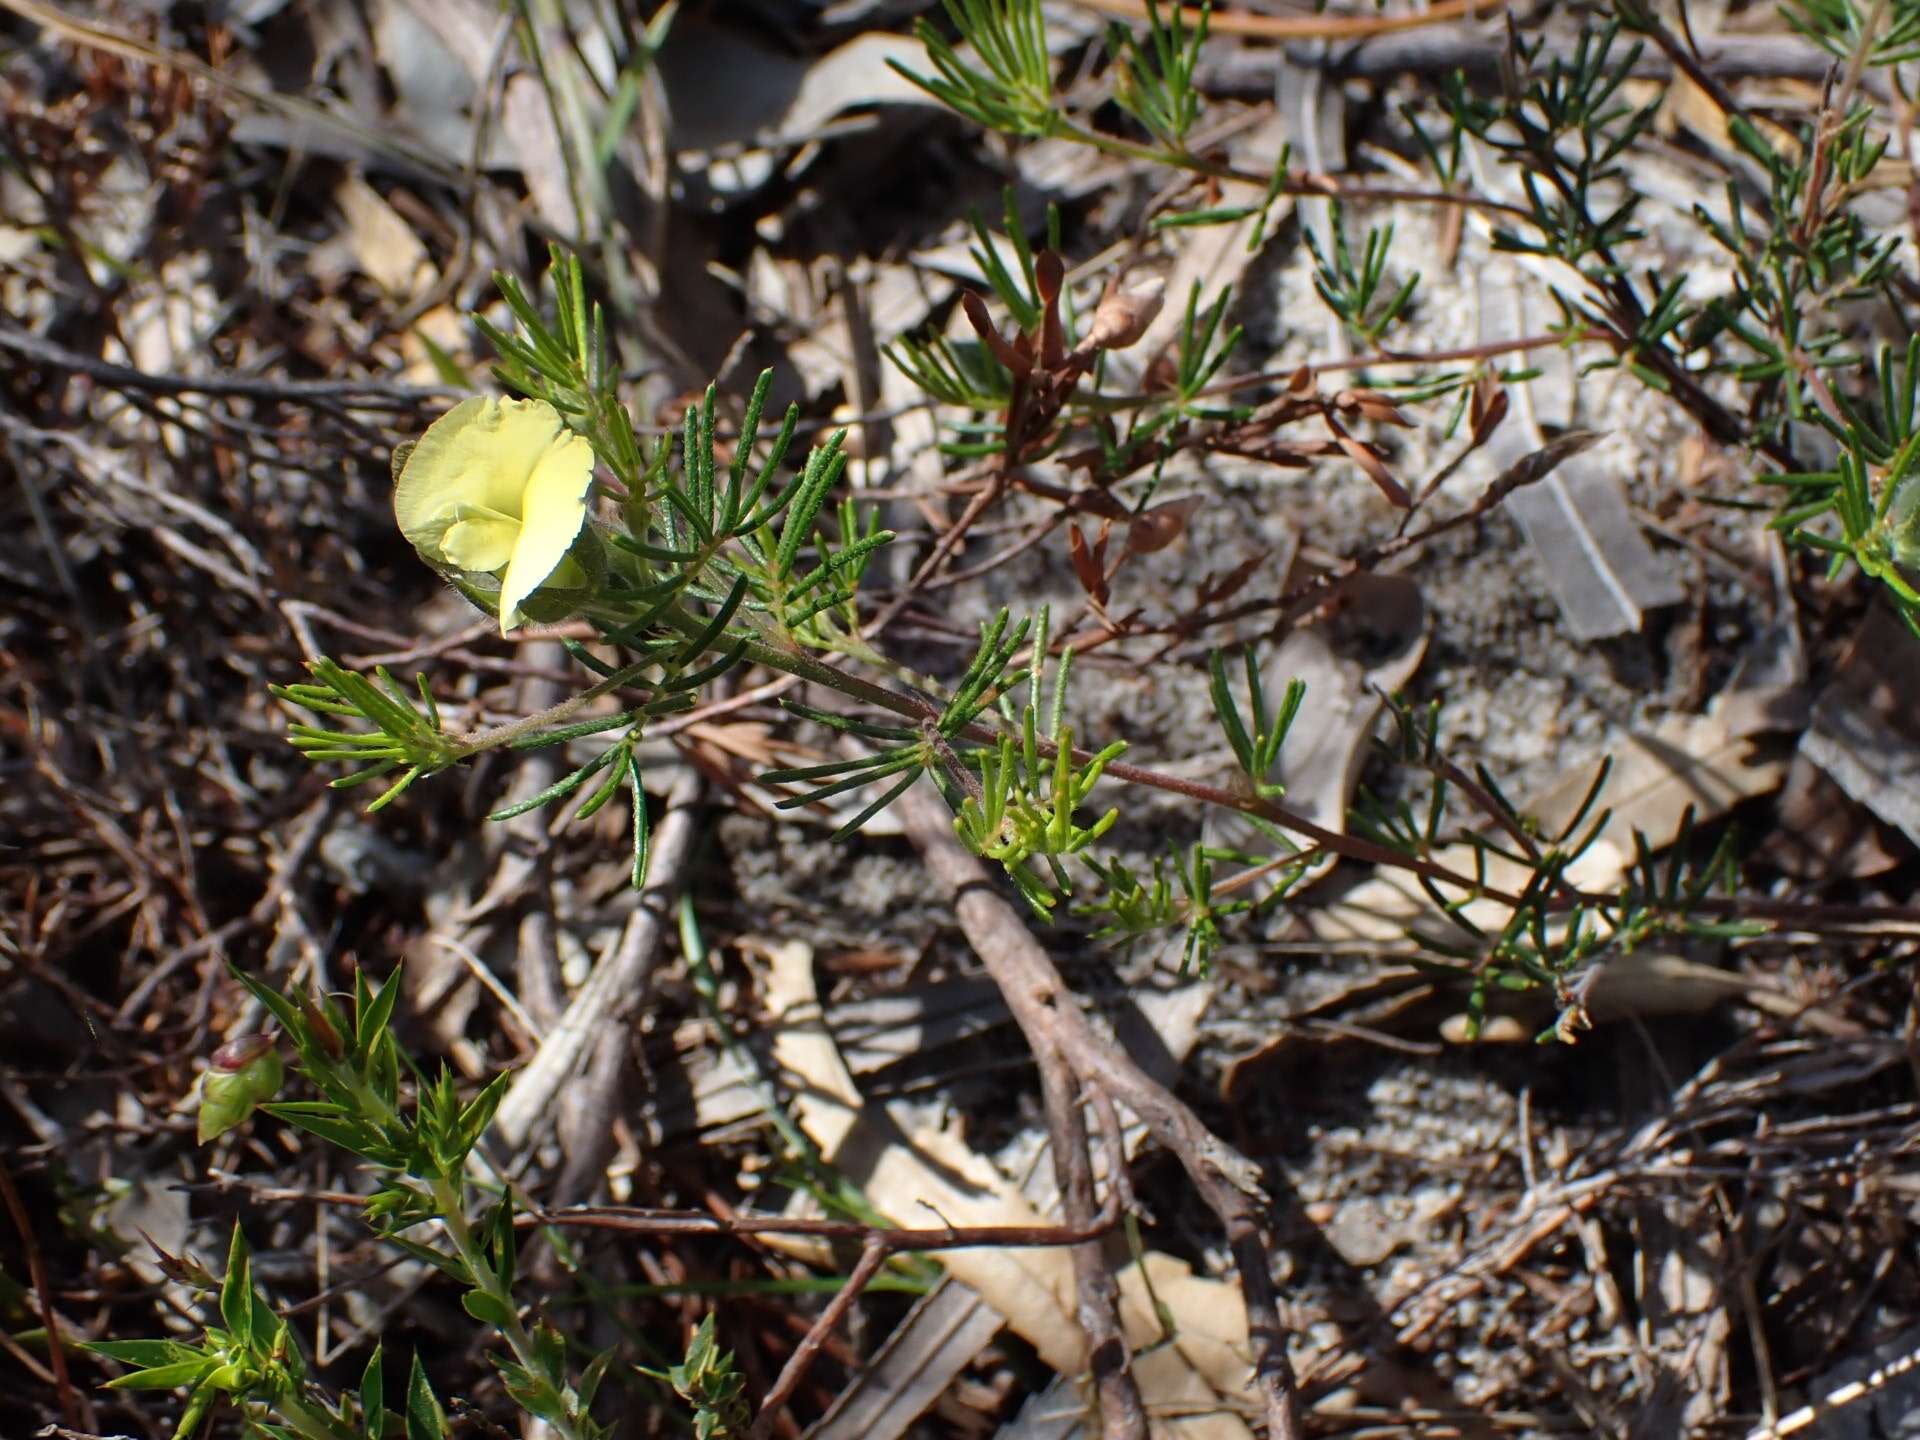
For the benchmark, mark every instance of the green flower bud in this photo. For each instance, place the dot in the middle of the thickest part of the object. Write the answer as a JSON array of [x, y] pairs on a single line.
[[241, 1075], [1903, 523]]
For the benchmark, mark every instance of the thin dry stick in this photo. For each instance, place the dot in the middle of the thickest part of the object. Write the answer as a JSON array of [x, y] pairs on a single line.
[[359, 394], [611, 989], [798, 1363], [640, 1220], [896, 1240], [1305, 27], [77, 1409], [879, 1245], [1050, 1019], [1123, 1415]]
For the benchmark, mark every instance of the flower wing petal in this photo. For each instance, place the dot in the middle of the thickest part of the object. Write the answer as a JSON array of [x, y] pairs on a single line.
[[552, 510], [480, 542]]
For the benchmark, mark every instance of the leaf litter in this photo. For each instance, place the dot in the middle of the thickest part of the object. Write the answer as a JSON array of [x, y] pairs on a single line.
[[175, 547]]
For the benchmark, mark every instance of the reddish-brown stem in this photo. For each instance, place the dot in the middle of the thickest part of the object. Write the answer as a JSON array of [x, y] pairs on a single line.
[[798, 1363], [72, 1405]]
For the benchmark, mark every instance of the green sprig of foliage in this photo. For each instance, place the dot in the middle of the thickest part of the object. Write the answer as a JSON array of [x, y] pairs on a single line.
[[1803, 252], [252, 1361], [1872, 491], [961, 373], [1024, 805], [934, 745], [1353, 288], [1888, 33], [711, 1384], [403, 734], [419, 1135], [1566, 130], [563, 360], [1203, 349], [1551, 935], [1179, 894], [1798, 251], [1155, 76], [1011, 89], [1256, 732]]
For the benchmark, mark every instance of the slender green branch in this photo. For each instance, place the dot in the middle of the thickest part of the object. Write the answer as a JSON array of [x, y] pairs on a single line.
[[450, 1198], [472, 744]]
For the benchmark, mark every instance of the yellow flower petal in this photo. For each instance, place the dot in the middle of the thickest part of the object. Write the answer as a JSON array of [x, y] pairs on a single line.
[[482, 543], [424, 491], [480, 454], [552, 509], [496, 487]]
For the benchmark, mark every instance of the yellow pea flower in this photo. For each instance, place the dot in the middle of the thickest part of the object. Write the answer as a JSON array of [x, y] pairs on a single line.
[[496, 487]]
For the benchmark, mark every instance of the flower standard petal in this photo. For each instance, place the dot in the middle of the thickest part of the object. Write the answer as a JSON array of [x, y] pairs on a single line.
[[430, 485], [523, 432], [553, 507]]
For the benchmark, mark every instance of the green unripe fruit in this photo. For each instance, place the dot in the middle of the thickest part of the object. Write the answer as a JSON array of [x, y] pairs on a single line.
[[243, 1073]]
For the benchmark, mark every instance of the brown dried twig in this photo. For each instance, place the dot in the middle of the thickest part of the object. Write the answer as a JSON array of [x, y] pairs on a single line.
[[360, 394], [76, 1407], [878, 1245], [1123, 1414], [1307, 27], [1051, 1020]]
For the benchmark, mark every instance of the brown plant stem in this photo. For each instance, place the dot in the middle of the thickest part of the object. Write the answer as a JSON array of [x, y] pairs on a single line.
[[1050, 1018], [1123, 1415], [1303, 27], [798, 1363], [73, 1405]]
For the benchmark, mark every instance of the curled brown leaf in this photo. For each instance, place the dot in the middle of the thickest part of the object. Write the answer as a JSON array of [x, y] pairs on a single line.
[[1008, 354], [1159, 527]]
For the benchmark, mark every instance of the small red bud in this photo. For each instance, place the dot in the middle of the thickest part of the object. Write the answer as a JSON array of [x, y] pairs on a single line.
[[1049, 271], [241, 1074], [1159, 527], [238, 1054], [1014, 358]]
